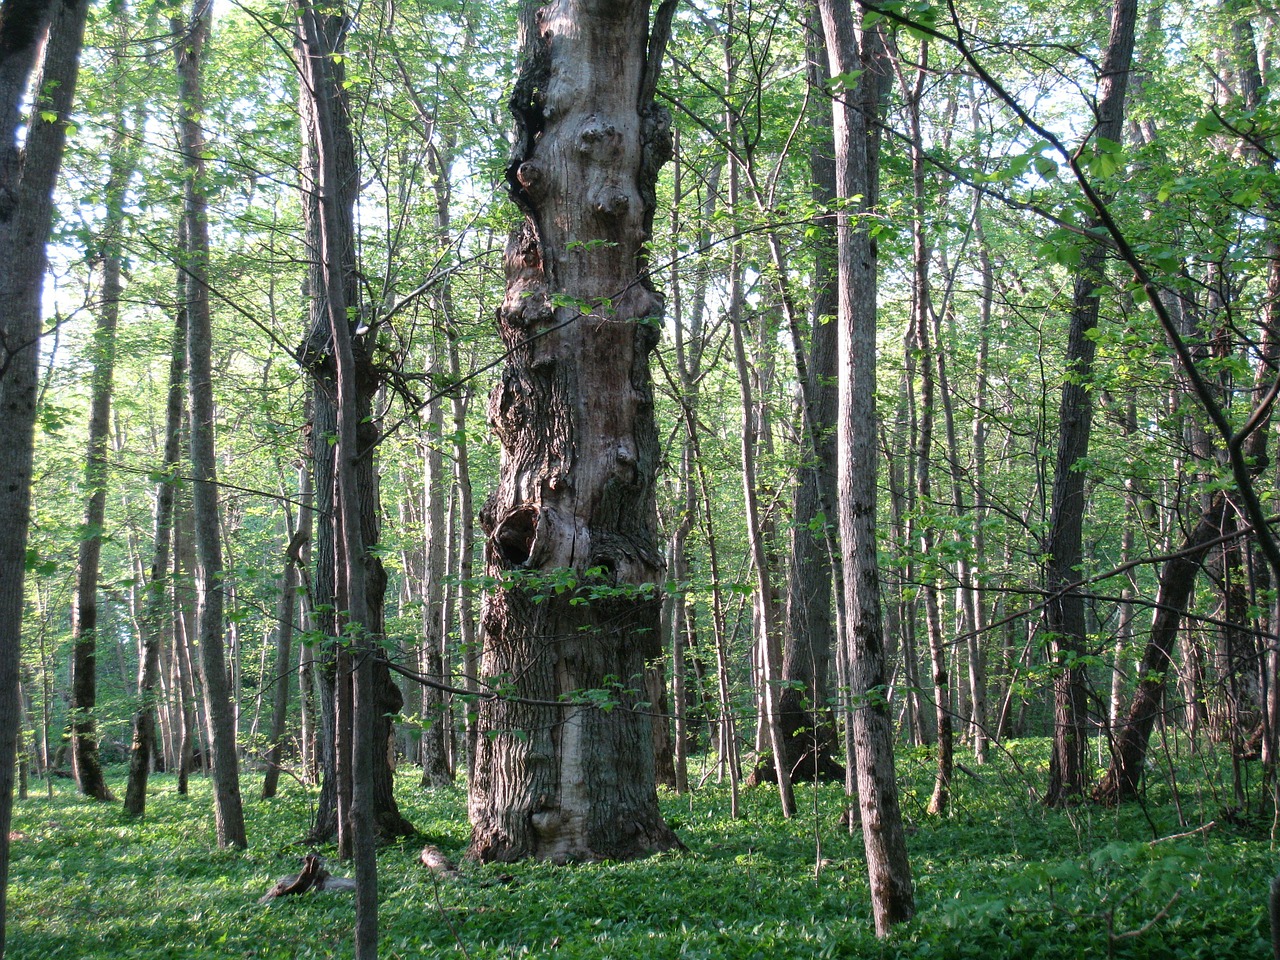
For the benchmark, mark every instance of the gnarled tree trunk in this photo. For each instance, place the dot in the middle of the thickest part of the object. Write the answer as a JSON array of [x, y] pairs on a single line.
[[564, 766]]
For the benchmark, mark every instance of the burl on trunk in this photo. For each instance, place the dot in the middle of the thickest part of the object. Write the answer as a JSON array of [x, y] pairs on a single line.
[[564, 766]]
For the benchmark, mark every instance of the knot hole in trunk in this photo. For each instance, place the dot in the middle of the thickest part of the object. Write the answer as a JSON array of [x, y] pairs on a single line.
[[513, 538]]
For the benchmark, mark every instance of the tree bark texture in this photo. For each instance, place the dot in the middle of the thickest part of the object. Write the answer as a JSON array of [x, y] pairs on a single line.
[[27, 177], [564, 766], [871, 732]]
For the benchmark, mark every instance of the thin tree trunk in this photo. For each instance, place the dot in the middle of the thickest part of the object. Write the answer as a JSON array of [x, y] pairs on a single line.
[[333, 812], [322, 92], [804, 710], [857, 164], [84, 621], [1064, 609], [295, 562], [1177, 578], [764, 589], [228, 810], [435, 761], [466, 549], [157, 601]]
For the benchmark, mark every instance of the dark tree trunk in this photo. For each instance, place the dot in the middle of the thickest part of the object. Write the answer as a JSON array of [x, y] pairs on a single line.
[[28, 171], [354, 574], [228, 810], [575, 504], [1064, 611], [333, 258], [156, 602], [1177, 578], [805, 718], [84, 620]]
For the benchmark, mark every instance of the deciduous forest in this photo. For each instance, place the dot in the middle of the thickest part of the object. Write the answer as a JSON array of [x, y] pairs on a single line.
[[655, 479]]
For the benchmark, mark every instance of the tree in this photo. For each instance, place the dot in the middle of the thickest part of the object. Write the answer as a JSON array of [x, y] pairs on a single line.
[[328, 200], [28, 171], [84, 669], [1064, 611], [228, 810], [564, 764], [856, 111]]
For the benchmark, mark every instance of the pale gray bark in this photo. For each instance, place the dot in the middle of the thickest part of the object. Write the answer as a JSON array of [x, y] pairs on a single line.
[[871, 732]]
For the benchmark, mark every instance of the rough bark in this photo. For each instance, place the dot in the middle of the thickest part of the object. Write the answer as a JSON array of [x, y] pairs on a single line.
[[574, 413], [27, 177], [871, 731]]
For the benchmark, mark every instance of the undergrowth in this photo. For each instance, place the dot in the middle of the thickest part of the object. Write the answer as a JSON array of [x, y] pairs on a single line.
[[999, 877]]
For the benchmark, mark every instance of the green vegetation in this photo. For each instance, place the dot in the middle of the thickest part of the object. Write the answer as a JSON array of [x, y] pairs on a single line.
[[1001, 877]]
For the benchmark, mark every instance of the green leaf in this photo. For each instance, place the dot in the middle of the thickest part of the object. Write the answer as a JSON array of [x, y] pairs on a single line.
[[845, 81], [1047, 168]]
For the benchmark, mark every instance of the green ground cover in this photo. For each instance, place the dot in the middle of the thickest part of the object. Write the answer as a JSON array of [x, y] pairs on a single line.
[[999, 877]]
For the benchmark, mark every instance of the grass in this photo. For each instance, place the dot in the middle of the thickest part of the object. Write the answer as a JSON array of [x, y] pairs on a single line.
[[999, 877]]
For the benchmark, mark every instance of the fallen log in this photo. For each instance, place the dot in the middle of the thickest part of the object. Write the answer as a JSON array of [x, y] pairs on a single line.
[[313, 876]]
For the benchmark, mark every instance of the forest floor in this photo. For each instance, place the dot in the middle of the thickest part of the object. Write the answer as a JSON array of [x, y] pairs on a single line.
[[1000, 876]]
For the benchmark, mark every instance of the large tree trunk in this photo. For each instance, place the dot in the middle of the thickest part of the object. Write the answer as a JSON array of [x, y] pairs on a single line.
[[228, 810], [564, 764], [28, 171], [1064, 610], [871, 731]]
